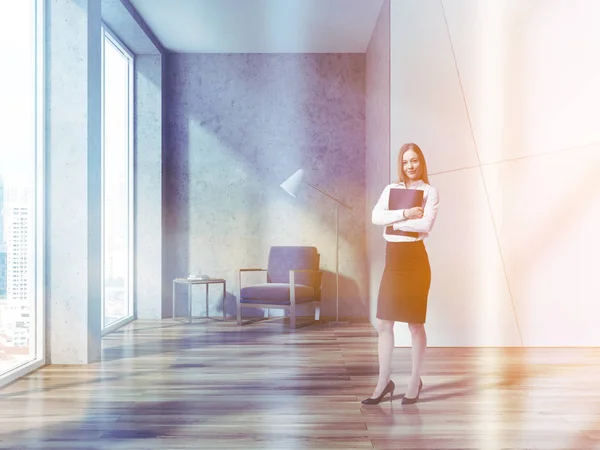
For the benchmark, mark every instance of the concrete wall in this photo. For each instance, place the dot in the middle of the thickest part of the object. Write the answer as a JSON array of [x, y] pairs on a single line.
[[73, 157], [148, 186], [239, 125]]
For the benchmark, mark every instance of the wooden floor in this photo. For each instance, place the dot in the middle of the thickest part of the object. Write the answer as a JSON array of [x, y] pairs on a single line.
[[167, 385]]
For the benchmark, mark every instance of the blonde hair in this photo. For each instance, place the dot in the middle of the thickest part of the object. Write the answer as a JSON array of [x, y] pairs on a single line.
[[422, 167]]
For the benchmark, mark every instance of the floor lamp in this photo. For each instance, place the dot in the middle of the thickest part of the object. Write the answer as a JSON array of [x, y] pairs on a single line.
[[292, 185]]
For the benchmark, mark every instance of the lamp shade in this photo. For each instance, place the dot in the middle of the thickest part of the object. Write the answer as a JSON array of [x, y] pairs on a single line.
[[293, 183]]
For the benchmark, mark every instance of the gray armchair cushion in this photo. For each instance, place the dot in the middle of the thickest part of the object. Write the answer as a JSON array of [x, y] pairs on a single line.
[[276, 293], [282, 259]]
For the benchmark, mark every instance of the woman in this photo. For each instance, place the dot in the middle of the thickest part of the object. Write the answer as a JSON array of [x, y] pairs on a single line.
[[407, 275]]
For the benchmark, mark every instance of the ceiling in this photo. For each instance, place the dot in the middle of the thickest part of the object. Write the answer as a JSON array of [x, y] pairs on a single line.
[[261, 26]]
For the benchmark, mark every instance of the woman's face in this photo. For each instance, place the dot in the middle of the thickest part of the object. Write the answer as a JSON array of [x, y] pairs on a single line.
[[411, 165]]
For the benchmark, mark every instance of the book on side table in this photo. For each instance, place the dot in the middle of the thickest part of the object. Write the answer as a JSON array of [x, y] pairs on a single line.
[[198, 277]]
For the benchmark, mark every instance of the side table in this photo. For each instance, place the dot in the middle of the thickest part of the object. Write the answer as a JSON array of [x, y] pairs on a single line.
[[206, 282]]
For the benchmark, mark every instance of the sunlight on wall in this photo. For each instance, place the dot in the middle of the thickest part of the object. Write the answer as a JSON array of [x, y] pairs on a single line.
[[219, 166], [490, 95], [251, 214], [558, 74], [490, 98]]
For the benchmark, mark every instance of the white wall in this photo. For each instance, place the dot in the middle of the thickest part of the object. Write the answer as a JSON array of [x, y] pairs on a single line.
[[504, 99]]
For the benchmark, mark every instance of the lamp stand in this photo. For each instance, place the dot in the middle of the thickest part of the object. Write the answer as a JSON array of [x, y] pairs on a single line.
[[337, 271], [337, 249], [291, 186]]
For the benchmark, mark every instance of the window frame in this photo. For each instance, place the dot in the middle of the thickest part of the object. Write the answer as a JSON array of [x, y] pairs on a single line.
[[108, 34], [37, 347]]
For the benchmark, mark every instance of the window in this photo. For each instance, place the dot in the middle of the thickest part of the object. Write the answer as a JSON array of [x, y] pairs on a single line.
[[117, 183], [21, 191]]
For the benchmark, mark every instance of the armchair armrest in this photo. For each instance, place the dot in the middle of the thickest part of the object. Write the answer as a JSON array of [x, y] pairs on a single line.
[[319, 274], [240, 277]]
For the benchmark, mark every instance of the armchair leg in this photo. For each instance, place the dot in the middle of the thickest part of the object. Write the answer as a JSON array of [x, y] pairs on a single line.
[[293, 317], [238, 307], [317, 312]]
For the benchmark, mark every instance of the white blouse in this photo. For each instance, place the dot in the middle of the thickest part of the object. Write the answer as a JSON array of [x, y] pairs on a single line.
[[383, 216]]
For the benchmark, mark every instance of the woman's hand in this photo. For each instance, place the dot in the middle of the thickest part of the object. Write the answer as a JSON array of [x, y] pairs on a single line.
[[413, 213]]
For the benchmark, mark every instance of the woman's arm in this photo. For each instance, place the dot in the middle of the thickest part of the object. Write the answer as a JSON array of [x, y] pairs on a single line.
[[381, 215], [424, 224]]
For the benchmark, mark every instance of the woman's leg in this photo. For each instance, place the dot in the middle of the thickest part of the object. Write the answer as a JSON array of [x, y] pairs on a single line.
[[385, 348], [419, 345]]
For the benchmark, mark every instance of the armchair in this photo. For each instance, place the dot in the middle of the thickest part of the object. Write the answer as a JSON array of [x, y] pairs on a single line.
[[293, 278]]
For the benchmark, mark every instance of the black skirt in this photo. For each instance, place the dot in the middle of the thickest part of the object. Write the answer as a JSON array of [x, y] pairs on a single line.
[[405, 282]]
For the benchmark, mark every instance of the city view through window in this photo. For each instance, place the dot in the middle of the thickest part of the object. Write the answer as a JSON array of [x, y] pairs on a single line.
[[18, 178], [17, 256], [116, 183]]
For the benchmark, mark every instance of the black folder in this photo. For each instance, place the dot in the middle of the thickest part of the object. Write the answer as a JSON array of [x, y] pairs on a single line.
[[404, 199]]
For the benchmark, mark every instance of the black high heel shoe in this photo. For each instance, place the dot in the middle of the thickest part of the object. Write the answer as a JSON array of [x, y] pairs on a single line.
[[411, 401], [375, 401]]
